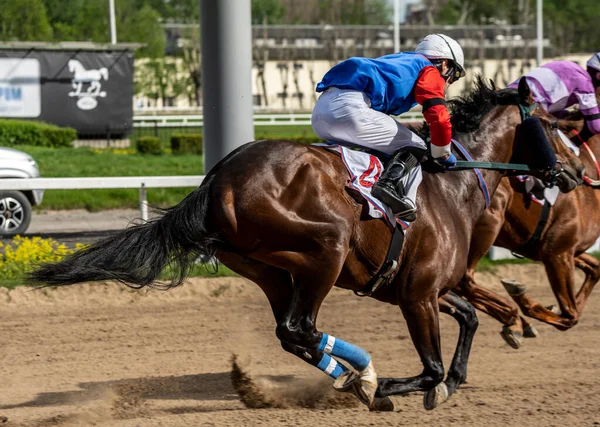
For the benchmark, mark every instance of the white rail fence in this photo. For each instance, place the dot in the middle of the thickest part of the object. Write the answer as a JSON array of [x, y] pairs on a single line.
[[165, 121], [140, 182], [143, 183]]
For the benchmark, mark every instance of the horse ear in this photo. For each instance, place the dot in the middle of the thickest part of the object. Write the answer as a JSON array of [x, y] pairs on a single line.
[[525, 92], [493, 83]]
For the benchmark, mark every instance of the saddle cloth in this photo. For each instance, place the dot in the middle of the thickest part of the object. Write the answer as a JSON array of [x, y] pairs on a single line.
[[365, 170]]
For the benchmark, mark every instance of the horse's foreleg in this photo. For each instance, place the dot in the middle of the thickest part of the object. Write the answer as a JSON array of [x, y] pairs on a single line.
[[489, 302], [465, 315], [486, 231], [591, 267], [560, 273], [422, 318]]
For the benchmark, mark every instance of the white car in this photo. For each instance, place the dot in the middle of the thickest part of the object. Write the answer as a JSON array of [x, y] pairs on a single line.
[[15, 206]]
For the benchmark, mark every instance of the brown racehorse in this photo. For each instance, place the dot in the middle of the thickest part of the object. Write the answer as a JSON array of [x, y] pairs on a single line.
[[279, 213], [573, 226]]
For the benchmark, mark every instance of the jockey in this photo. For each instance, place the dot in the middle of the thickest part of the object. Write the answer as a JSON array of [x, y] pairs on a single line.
[[360, 94], [558, 85]]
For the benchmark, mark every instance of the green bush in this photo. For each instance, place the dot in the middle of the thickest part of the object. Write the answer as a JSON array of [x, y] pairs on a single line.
[[149, 145], [23, 132], [186, 143]]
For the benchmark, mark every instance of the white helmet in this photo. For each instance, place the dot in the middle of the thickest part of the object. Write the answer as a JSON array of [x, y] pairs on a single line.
[[594, 62], [440, 46]]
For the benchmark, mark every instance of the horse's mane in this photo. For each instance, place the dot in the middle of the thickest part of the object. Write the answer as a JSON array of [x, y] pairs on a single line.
[[467, 112]]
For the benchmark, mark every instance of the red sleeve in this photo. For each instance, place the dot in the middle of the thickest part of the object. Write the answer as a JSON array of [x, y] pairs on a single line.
[[430, 93]]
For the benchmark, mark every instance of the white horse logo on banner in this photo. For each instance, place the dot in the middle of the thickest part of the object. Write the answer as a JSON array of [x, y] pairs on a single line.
[[87, 99]]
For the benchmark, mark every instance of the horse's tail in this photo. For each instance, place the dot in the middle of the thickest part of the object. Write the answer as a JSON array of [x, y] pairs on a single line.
[[104, 73], [137, 255]]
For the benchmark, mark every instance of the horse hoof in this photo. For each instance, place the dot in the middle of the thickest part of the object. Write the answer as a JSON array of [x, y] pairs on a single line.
[[554, 309], [386, 404], [513, 287], [363, 385], [530, 332], [436, 396], [512, 338], [345, 382]]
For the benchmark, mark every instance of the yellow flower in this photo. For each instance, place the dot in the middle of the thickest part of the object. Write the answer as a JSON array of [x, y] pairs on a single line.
[[23, 254]]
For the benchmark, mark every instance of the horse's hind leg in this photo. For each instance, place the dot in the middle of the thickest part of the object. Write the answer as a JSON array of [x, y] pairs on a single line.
[[465, 315], [295, 299], [591, 267], [277, 286], [313, 278]]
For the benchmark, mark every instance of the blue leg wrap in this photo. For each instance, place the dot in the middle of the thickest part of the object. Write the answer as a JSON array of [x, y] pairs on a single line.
[[331, 366], [355, 356]]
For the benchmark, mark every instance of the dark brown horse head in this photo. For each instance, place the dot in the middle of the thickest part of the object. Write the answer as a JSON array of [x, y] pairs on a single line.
[[480, 117], [539, 145]]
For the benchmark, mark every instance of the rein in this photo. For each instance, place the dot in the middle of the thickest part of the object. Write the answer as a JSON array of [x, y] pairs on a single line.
[[525, 111], [469, 164], [495, 166], [594, 183]]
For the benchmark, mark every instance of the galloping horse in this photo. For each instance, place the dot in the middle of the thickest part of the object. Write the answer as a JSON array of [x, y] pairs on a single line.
[[572, 227], [279, 214]]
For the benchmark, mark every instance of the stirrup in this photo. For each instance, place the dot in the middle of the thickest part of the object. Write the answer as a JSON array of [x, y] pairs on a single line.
[[402, 207], [408, 215]]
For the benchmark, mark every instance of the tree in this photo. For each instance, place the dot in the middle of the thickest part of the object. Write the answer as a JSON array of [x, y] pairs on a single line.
[[93, 22], [267, 12], [143, 26], [63, 16], [160, 78], [184, 11], [192, 60], [25, 20], [337, 12], [573, 25]]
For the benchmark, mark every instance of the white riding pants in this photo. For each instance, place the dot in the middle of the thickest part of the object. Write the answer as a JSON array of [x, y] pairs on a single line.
[[344, 115]]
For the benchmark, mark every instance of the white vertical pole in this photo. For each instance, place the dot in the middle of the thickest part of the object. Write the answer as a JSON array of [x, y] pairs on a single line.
[[113, 24], [540, 32], [396, 25], [144, 202]]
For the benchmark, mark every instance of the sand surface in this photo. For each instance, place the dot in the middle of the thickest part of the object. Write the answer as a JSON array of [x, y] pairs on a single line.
[[103, 355]]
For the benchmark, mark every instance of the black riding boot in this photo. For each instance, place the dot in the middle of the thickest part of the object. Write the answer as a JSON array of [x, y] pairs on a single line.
[[390, 188]]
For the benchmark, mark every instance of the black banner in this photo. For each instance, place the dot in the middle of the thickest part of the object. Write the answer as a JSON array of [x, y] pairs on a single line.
[[91, 91]]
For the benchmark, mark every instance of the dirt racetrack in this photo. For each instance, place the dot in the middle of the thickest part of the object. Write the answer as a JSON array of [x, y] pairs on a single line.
[[103, 355]]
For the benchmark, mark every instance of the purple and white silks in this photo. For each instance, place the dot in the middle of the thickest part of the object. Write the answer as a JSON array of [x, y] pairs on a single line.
[[558, 85]]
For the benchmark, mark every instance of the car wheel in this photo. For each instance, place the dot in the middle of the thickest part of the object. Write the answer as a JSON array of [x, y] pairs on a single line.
[[15, 213]]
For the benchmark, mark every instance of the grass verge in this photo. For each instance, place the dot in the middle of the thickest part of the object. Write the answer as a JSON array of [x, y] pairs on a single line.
[[70, 162], [85, 162], [260, 132], [487, 265]]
